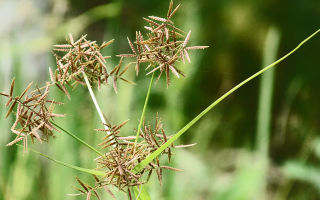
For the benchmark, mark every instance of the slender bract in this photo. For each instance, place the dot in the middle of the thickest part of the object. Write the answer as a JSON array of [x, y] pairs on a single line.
[[89, 171], [152, 156], [78, 139]]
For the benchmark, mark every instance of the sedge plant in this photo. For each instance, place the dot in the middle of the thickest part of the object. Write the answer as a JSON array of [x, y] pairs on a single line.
[[125, 162]]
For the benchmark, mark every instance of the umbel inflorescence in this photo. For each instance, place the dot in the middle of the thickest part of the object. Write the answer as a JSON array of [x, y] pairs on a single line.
[[80, 62], [34, 112], [125, 154], [165, 45]]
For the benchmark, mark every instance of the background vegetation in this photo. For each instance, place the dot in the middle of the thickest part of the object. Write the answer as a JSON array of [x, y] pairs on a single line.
[[261, 143]]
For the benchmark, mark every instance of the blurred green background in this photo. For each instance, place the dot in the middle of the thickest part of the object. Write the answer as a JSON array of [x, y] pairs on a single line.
[[263, 142]]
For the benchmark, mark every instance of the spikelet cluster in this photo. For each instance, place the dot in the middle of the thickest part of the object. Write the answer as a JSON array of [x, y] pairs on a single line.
[[162, 47], [33, 114], [78, 57], [124, 154]]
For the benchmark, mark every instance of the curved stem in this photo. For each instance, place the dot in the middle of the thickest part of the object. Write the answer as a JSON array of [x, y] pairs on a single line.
[[152, 156], [89, 171], [144, 109], [77, 138]]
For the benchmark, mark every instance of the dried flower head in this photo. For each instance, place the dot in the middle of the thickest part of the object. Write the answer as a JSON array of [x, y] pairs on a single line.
[[165, 45], [124, 154], [34, 111], [75, 58]]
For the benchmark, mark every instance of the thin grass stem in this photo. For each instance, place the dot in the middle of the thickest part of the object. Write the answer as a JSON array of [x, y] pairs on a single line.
[[77, 138], [152, 156], [144, 109]]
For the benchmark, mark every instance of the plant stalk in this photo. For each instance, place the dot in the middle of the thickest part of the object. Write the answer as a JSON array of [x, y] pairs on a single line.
[[89, 171], [144, 109]]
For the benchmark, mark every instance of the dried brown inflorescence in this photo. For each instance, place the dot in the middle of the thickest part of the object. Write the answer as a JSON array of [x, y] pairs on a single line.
[[33, 112], [82, 56], [164, 46], [124, 154]]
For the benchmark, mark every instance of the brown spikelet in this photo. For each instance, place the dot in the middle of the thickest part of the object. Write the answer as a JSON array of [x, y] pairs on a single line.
[[12, 87], [186, 40], [196, 47], [11, 108], [71, 39], [174, 11], [4, 94], [172, 168], [25, 91], [170, 9], [126, 55], [158, 18], [105, 44], [131, 46], [186, 145]]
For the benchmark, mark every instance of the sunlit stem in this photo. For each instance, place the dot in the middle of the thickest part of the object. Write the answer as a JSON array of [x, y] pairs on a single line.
[[95, 101]]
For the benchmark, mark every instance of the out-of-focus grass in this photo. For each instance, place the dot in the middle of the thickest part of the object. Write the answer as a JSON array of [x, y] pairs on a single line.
[[265, 109]]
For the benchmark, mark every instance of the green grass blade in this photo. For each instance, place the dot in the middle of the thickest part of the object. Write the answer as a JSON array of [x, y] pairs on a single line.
[[152, 156], [144, 109], [89, 171], [141, 193], [78, 139]]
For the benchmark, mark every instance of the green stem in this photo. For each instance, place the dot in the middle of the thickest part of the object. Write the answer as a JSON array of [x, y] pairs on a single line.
[[152, 156], [144, 109], [77, 138], [89, 171]]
